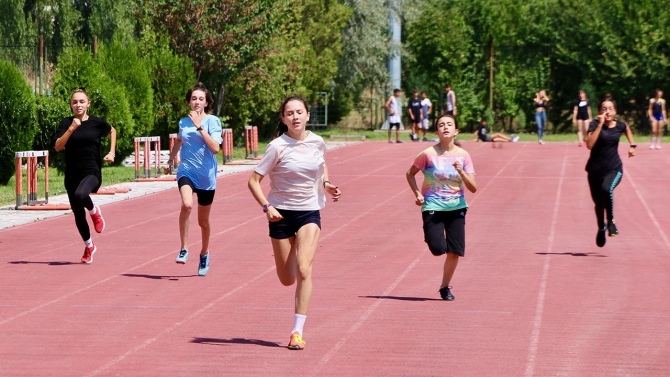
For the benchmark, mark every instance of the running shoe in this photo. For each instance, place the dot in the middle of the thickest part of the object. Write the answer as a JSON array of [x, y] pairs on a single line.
[[296, 342], [425, 139], [600, 238], [658, 146], [514, 138], [399, 141], [541, 142], [203, 267], [88, 254], [391, 141], [98, 221], [182, 257], [579, 145], [445, 293], [611, 229]]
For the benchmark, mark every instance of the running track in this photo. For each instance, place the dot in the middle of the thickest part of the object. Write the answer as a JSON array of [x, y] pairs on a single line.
[[534, 295]]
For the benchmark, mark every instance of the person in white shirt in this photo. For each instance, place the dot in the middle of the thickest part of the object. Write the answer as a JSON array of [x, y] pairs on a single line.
[[426, 109], [295, 162], [391, 106]]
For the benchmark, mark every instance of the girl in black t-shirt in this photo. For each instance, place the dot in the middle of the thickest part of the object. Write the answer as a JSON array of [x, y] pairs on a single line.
[[604, 166], [581, 115], [80, 136]]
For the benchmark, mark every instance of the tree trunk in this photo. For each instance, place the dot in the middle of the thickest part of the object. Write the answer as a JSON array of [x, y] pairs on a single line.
[[219, 99]]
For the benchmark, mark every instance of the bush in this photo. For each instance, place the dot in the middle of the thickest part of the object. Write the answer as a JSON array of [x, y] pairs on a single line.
[[18, 121], [77, 68], [123, 64], [50, 111]]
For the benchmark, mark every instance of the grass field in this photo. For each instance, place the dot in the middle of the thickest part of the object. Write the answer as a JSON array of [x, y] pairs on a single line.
[[118, 174]]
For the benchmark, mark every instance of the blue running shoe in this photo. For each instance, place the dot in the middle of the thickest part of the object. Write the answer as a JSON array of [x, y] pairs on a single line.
[[182, 257], [204, 264]]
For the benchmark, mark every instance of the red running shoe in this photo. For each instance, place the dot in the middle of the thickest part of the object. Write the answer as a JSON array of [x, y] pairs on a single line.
[[88, 254], [98, 221]]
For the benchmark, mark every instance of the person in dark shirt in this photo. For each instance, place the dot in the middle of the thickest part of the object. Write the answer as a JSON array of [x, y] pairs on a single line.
[[415, 114], [657, 116], [581, 116], [604, 166], [80, 136], [482, 134]]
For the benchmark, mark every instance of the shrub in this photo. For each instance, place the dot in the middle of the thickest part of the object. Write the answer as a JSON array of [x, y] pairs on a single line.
[[50, 111], [18, 123]]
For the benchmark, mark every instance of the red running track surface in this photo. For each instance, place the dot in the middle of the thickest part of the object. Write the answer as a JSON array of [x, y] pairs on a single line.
[[534, 295]]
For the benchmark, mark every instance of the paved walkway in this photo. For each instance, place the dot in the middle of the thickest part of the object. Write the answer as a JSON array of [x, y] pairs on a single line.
[[9, 217]]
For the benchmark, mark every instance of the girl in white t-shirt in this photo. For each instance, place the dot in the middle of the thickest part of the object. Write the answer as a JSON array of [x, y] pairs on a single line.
[[295, 162]]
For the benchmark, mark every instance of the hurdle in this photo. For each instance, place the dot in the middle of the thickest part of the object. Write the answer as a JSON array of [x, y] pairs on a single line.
[[251, 141], [145, 143], [177, 157], [32, 202], [227, 145]]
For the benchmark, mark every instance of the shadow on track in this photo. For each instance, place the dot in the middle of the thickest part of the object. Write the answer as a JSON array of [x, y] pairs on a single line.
[[401, 298], [255, 342], [54, 263], [577, 254], [157, 277]]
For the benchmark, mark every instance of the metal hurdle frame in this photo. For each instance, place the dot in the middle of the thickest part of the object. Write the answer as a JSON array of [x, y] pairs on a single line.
[[32, 201], [147, 140], [227, 145], [251, 141]]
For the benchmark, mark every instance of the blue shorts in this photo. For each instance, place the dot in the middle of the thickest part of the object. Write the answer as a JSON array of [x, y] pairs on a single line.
[[292, 222], [658, 116]]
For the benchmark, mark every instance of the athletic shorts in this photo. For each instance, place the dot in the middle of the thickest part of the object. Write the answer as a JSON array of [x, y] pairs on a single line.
[[205, 197], [582, 117], [486, 138], [444, 231], [658, 116], [292, 222], [425, 124], [450, 112], [394, 125]]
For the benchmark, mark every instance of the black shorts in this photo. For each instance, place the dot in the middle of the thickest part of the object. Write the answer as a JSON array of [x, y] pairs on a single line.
[[486, 138], [205, 197], [582, 116], [437, 223], [292, 222], [394, 125], [450, 112]]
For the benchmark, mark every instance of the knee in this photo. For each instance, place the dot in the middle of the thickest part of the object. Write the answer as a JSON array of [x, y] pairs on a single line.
[[80, 196], [305, 272], [437, 248], [204, 223], [186, 207]]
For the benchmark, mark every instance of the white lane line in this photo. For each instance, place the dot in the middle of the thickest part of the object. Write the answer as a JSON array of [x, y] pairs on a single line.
[[539, 306], [658, 226]]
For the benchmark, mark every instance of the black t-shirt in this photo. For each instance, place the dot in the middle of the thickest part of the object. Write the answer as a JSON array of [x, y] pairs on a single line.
[[482, 132], [582, 109], [415, 106], [83, 151], [604, 156]]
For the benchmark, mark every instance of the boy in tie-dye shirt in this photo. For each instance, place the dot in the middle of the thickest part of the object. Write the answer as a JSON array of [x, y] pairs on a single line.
[[447, 169]]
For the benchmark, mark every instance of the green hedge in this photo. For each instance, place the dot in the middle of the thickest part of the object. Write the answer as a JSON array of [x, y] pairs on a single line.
[[18, 120]]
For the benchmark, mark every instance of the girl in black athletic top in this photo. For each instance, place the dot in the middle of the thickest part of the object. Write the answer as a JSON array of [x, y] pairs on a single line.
[[604, 166], [581, 116], [657, 116], [80, 136]]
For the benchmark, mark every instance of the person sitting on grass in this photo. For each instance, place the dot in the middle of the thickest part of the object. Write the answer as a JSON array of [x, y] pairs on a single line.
[[481, 133]]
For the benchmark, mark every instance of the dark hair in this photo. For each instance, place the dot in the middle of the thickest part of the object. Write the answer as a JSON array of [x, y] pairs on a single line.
[[424, 92], [208, 96], [281, 126], [446, 116], [607, 97], [657, 91], [396, 90], [415, 91], [583, 91], [447, 86]]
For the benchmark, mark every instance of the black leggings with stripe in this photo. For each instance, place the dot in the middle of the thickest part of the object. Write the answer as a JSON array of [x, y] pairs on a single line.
[[602, 193], [80, 200]]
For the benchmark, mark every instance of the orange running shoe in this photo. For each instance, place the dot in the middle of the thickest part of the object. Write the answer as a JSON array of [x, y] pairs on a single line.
[[88, 254], [98, 221], [296, 342]]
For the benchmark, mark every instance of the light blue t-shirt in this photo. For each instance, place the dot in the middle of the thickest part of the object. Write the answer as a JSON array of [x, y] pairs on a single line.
[[198, 163]]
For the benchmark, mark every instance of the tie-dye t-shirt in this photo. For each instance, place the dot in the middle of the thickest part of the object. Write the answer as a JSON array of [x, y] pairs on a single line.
[[442, 187]]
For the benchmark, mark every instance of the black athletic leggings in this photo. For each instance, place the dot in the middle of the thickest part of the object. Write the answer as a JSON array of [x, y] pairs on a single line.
[[602, 193], [80, 201]]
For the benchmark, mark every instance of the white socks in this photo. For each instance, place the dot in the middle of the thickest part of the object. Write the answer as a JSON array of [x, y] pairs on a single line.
[[93, 211], [299, 323], [89, 242]]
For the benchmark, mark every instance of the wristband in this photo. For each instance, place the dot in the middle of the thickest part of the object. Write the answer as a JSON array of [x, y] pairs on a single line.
[[199, 128], [266, 207], [633, 145], [324, 183]]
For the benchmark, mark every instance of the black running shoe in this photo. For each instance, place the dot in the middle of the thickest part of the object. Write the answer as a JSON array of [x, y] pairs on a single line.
[[445, 293], [600, 238], [611, 229]]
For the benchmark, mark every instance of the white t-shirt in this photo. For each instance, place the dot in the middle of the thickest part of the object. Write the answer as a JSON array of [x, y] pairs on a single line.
[[394, 118], [425, 105], [296, 169]]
